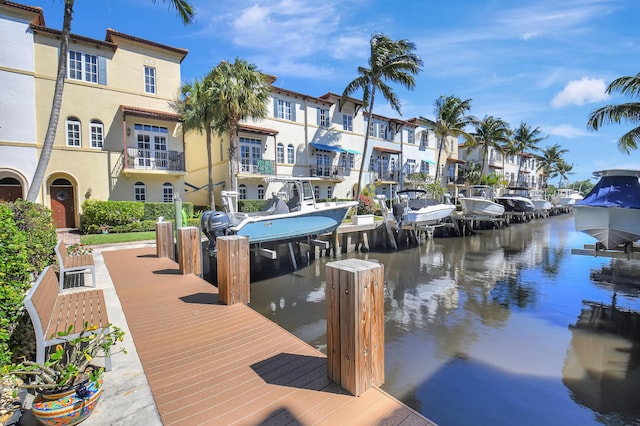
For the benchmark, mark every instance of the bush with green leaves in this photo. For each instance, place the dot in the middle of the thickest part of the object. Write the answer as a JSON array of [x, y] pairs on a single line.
[[127, 216], [15, 276], [36, 222], [153, 210]]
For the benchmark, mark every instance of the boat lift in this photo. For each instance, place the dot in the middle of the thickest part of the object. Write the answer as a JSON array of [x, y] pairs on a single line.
[[625, 251]]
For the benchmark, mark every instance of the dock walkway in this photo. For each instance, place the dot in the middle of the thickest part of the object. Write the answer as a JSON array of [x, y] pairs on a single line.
[[208, 363]]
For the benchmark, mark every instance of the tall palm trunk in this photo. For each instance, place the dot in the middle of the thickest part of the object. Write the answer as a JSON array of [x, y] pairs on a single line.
[[442, 139], [209, 169], [233, 155], [50, 136], [358, 191]]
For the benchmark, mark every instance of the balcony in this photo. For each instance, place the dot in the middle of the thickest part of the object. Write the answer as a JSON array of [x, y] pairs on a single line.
[[329, 172], [151, 160], [456, 180], [385, 175], [258, 167]]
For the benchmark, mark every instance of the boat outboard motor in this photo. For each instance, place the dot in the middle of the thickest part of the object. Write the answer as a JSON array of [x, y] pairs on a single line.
[[214, 224]]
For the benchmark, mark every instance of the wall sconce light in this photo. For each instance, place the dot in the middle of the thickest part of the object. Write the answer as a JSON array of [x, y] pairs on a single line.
[[128, 131]]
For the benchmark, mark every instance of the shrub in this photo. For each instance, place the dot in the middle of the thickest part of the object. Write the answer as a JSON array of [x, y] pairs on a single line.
[[112, 213], [36, 222], [250, 206], [14, 276], [152, 211]]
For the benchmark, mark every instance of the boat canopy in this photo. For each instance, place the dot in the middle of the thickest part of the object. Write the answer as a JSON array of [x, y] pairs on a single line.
[[614, 191]]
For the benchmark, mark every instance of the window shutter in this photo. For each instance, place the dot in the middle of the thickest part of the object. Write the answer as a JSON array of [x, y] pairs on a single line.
[[102, 70], [275, 108], [293, 111], [318, 117]]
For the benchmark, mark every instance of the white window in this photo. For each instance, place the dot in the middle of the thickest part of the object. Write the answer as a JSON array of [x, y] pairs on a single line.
[[83, 66], [97, 134], [372, 129], [280, 153], [425, 139], [411, 167], [316, 192], [73, 132], [152, 147], [424, 167], [347, 122], [242, 192], [167, 192], [261, 192], [382, 131], [330, 192], [290, 154], [139, 192], [351, 161], [323, 117], [284, 109], [149, 80], [411, 136]]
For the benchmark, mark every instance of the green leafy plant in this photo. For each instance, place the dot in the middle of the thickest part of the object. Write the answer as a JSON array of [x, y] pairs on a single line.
[[71, 363]]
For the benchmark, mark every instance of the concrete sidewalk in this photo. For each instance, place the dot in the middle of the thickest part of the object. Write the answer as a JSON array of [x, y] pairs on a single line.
[[126, 398]]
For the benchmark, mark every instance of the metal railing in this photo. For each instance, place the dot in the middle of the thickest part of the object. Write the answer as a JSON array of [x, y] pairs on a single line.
[[147, 159], [332, 172], [258, 167]]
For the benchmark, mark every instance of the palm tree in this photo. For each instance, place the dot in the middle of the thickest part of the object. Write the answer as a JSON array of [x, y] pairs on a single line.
[[525, 139], [451, 120], [623, 113], [186, 14], [393, 61], [490, 132], [563, 168], [239, 91], [196, 108], [549, 160]]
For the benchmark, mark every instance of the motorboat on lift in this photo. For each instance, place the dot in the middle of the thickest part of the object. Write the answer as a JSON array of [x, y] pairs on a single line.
[[415, 207], [291, 214], [516, 200], [479, 202], [567, 197], [610, 213], [542, 205]]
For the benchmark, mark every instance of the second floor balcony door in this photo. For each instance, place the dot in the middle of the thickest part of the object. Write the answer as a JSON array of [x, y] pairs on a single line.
[[152, 156], [144, 151], [250, 155], [323, 161]]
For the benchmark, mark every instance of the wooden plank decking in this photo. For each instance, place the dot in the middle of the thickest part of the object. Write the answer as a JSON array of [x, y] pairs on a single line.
[[208, 363]]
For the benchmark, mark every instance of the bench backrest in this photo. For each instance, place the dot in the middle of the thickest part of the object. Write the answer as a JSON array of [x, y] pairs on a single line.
[[61, 248], [41, 299]]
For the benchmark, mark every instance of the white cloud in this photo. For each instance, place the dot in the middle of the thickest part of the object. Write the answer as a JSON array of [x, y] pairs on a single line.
[[567, 131], [580, 92]]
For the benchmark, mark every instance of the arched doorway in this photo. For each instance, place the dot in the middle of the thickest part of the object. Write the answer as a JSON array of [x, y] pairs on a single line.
[[62, 203], [10, 189]]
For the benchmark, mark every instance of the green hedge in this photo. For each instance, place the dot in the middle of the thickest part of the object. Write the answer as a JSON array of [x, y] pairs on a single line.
[[36, 222], [127, 216]]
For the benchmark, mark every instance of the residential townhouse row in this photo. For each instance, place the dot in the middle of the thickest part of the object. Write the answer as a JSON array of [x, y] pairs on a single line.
[[118, 137]]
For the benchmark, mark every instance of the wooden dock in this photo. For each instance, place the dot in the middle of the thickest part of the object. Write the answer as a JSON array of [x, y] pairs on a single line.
[[208, 363]]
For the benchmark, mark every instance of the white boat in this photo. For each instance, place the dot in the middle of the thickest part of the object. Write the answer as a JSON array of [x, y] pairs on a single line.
[[516, 199], [416, 208], [541, 204], [480, 202], [567, 197], [291, 214], [610, 213]]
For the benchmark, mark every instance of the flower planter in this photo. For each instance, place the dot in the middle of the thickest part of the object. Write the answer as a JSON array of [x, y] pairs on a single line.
[[67, 410], [362, 219]]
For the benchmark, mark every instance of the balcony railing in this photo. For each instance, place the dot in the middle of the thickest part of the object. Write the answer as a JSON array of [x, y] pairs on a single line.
[[386, 175], [456, 180], [331, 172], [259, 167], [146, 159]]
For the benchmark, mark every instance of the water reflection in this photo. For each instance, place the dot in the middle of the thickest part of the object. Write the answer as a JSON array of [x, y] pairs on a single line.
[[602, 367], [472, 321]]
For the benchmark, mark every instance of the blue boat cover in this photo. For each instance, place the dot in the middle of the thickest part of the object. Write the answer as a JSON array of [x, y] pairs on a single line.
[[614, 191]]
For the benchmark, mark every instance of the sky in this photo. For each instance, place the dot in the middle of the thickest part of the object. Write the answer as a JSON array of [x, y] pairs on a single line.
[[543, 62]]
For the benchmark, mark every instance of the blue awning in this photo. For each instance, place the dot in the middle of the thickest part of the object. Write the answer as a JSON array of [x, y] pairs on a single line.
[[351, 151], [324, 147], [429, 161]]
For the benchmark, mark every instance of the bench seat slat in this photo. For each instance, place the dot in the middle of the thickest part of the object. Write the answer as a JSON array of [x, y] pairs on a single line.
[[74, 264]]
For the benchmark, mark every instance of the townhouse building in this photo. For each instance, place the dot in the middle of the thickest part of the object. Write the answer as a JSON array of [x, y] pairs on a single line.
[[515, 170], [117, 137], [316, 137]]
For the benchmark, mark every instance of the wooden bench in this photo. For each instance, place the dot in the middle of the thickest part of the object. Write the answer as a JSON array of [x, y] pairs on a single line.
[[73, 264], [52, 312]]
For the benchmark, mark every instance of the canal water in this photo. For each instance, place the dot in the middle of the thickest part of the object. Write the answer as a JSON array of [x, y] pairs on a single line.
[[502, 327]]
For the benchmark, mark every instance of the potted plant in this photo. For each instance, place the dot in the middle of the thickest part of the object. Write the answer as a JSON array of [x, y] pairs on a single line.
[[68, 385]]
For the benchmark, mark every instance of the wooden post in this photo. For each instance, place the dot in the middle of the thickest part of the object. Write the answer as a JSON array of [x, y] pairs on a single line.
[[164, 240], [233, 269], [189, 248], [355, 324]]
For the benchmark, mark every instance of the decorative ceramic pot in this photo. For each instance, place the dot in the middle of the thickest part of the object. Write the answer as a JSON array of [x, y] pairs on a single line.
[[70, 409]]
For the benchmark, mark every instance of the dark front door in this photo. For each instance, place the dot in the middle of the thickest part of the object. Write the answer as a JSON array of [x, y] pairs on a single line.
[[62, 203], [10, 189]]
